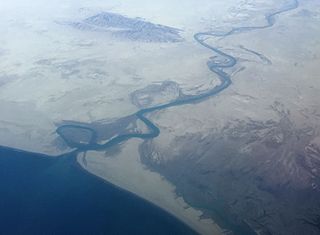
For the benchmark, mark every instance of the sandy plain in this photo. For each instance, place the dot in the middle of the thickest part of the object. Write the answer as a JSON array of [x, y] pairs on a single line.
[[56, 73]]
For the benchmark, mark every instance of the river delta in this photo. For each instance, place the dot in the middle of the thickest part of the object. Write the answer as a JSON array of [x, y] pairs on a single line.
[[201, 142]]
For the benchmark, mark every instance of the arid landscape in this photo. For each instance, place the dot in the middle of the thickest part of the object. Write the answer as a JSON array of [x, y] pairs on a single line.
[[148, 97]]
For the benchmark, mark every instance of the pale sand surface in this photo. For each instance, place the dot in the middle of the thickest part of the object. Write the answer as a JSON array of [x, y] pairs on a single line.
[[59, 73], [88, 77], [126, 171]]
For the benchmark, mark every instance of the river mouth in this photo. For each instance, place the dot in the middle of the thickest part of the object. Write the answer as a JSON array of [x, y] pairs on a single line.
[[219, 68], [60, 196], [86, 139]]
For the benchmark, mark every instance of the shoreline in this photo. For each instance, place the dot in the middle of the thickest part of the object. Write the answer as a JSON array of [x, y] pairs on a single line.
[[128, 173]]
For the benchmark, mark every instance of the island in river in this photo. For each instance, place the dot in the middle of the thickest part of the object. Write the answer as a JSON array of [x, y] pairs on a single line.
[[219, 128]]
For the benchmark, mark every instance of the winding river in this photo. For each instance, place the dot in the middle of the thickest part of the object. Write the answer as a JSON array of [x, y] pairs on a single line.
[[217, 68]]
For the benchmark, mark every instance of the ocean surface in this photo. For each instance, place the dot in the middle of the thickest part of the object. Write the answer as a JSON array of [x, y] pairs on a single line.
[[40, 195]]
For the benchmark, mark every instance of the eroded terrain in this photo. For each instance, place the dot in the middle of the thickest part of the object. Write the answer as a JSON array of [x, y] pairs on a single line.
[[243, 161]]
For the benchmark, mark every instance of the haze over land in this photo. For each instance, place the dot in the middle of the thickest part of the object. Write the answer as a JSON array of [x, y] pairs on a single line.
[[245, 160]]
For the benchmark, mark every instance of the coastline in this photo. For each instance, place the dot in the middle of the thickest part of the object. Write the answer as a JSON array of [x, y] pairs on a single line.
[[128, 173], [59, 188]]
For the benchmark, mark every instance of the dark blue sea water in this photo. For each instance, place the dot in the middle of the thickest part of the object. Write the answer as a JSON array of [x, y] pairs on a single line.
[[40, 195], [54, 196]]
